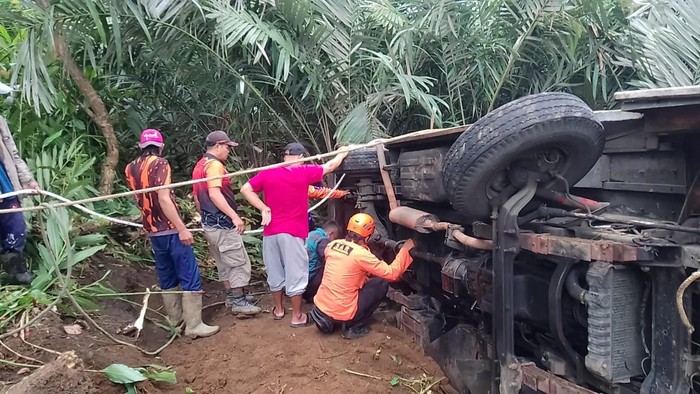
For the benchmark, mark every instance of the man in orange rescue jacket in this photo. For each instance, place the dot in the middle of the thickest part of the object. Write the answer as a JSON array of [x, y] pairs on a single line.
[[347, 298]]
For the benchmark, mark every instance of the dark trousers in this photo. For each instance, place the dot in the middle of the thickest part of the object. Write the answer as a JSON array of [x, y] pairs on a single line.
[[312, 286], [13, 229], [175, 263], [369, 298]]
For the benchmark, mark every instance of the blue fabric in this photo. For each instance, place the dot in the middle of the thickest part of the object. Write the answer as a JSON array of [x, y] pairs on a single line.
[[5, 182], [13, 229], [175, 263], [311, 249]]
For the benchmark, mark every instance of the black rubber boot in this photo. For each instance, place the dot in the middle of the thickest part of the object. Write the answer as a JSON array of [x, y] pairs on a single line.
[[356, 332], [15, 266]]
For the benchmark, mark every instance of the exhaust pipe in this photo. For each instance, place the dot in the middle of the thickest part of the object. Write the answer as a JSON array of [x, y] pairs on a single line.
[[476, 243], [419, 221], [424, 222]]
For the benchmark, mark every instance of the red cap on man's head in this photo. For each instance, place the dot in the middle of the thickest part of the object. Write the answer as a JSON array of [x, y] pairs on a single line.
[[150, 137]]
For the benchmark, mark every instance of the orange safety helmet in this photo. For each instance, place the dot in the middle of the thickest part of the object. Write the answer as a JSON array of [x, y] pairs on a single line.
[[361, 224]]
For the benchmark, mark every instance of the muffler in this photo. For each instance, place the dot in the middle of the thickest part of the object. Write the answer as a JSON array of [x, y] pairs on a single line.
[[419, 221], [424, 222]]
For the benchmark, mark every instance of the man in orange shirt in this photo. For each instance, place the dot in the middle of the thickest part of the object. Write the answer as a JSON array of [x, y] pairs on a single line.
[[347, 298]]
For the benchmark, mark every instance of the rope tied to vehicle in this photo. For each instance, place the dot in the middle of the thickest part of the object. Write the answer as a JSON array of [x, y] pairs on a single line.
[[133, 224], [351, 148], [679, 300]]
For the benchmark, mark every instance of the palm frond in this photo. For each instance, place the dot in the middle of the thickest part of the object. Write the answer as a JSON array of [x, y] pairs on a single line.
[[670, 38]]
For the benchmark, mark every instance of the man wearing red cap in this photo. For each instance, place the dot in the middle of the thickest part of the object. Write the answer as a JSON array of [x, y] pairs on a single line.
[[222, 226], [284, 217], [176, 264]]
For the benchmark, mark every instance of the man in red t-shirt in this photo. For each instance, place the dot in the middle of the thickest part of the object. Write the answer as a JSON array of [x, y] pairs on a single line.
[[284, 217]]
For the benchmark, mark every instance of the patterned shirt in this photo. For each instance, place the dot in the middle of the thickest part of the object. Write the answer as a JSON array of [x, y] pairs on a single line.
[[207, 167], [150, 171]]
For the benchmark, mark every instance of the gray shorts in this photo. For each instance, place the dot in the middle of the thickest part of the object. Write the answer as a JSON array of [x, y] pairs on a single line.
[[286, 263], [232, 261]]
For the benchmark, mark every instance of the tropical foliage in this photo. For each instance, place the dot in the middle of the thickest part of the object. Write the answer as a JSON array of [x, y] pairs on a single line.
[[91, 74], [670, 49], [317, 70]]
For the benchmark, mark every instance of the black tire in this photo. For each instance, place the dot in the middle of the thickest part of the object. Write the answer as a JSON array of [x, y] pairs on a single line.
[[555, 129], [361, 162]]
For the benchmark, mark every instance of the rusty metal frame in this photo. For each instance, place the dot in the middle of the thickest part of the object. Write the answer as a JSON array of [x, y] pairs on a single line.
[[506, 246], [547, 383], [584, 249], [386, 178]]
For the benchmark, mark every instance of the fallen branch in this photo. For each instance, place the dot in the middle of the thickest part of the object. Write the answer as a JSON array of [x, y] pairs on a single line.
[[40, 348], [214, 304], [334, 356], [147, 292], [362, 374], [138, 324], [19, 354], [426, 389], [149, 309], [19, 365]]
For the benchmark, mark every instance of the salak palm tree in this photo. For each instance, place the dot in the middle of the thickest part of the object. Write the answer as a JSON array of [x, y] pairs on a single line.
[[325, 71], [669, 34]]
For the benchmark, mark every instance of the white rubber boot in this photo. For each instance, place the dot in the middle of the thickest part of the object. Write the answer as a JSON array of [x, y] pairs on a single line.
[[192, 312], [173, 306]]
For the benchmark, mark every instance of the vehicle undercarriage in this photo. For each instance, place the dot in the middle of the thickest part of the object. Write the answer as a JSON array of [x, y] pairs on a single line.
[[552, 243]]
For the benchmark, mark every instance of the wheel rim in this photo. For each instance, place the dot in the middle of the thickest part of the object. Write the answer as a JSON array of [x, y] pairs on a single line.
[[549, 164]]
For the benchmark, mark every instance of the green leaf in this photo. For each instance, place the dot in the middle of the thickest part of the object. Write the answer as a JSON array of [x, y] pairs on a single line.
[[131, 388], [188, 390], [159, 373], [394, 381], [250, 239], [123, 374], [162, 376], [83, 254]]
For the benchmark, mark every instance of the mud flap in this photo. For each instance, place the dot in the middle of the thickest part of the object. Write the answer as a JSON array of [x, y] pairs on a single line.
[[456, 351], [461, 353]]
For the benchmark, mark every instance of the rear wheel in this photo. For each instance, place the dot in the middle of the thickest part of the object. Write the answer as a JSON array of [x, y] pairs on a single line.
[[554, 135], [361, 162]]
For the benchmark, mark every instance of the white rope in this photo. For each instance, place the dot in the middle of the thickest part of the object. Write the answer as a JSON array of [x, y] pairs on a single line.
[[191, 182], [405, 137], [133, 224]]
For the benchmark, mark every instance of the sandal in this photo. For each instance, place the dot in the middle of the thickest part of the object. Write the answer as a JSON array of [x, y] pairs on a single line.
[[309, 321], [276, 316]]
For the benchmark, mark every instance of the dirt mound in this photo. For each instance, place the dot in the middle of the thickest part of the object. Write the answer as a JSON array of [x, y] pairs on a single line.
[[64, 375], [258, 355]]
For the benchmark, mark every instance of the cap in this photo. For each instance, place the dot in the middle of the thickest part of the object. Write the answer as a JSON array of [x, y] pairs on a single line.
[[295, 148], [150, 137], [219, 137]]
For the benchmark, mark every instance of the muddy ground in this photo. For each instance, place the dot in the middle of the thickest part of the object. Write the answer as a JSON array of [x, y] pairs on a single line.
[[256, 355]]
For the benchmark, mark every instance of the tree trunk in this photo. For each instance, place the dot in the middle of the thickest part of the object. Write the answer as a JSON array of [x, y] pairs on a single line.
[[97, 111]]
